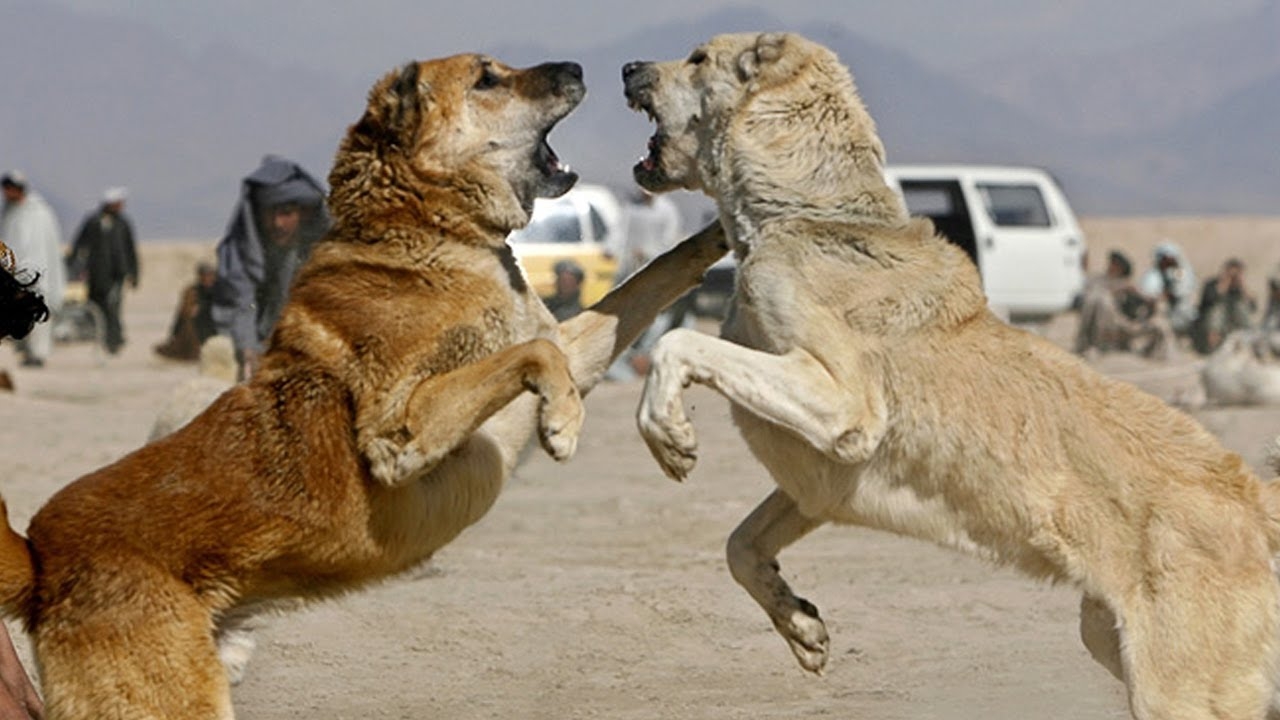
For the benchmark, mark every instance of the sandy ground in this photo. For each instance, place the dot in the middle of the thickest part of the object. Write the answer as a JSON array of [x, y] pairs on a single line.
[[597, 589]]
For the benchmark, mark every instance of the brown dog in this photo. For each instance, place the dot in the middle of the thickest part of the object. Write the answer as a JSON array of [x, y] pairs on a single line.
[[868, 376], [410, 367]]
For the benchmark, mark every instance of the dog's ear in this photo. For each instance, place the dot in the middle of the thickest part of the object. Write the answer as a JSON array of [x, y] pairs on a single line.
[[395, 107], [767, 49]]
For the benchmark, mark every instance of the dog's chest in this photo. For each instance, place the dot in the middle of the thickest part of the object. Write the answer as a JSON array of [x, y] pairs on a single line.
[[761, 315]]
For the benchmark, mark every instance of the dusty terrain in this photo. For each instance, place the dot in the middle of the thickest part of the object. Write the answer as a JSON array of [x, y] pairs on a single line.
[[597, 589]]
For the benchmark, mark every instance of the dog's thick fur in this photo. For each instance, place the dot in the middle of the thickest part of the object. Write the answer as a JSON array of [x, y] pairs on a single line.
[[868, 376], [408, 370]]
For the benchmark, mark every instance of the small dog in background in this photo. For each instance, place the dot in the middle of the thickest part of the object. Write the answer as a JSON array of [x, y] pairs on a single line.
[[190, 398]]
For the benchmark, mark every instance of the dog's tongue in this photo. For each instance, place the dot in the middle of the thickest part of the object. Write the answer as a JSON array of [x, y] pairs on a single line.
[[553, 160], [649, 162]]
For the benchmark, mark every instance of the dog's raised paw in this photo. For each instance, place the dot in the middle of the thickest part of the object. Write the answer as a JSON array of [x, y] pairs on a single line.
[[381, 454], [673, 444], [559, 426], [390, 463]]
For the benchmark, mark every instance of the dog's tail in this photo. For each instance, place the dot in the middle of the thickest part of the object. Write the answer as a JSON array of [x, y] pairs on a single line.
[[17, 569]]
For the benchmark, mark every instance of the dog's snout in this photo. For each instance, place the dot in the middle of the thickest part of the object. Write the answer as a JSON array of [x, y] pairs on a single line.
[[637, 72], [559, 77], [635, 81], [565, 74], [570, 70]]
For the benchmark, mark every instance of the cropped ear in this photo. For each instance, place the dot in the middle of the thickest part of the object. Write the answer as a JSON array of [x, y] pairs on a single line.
[[395, 107], [405, 95], [768, 48]]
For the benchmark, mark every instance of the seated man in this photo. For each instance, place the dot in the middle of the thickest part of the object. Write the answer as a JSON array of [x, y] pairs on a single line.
[[1115, 316], [193, 320], [1225, 306]]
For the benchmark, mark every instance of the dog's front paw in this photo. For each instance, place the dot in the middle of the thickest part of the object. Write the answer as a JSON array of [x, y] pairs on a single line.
[[391, 462], [560, 424], [381, 455], [805, 632], [671, 441]]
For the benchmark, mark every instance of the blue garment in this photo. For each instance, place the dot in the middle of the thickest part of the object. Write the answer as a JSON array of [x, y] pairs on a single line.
[[1176, 285], [253, 275]]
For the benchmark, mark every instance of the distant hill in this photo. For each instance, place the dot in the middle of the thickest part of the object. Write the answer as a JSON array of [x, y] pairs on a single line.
[[1150, 86], [91, 102], [1183, 124]]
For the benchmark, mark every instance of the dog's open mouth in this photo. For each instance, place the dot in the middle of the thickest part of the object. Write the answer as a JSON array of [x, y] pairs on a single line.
[[648, 170], [557, 176], [649, 162], [547, 160]]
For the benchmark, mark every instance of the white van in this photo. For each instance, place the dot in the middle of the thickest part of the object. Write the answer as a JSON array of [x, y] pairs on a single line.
[[1014, 222]]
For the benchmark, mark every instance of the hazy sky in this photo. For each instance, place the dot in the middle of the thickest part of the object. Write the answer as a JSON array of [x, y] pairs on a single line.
[[356, 39]]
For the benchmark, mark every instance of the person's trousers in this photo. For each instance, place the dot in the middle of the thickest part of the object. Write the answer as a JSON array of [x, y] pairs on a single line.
[[108, 302]]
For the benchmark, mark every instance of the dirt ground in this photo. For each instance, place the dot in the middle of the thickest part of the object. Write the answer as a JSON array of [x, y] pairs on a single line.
[[597, 588]]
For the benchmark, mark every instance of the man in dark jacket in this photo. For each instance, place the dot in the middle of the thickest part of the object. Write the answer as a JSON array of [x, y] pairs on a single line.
[[104, 252], [279, 216]]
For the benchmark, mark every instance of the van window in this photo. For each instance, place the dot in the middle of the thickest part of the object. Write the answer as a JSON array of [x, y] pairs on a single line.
[[942, 201], [928, 200], [1014, 205], [559, 224]]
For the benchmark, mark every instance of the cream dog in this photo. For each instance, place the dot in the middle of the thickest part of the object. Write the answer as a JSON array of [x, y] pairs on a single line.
[[868, 376]]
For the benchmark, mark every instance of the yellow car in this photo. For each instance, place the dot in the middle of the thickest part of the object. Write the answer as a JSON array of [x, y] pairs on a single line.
[[583, 225]]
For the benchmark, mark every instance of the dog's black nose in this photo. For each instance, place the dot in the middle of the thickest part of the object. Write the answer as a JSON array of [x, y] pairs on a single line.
[[632, 68], [561, 72]]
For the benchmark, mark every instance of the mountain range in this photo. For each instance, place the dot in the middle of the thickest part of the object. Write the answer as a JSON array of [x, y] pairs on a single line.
[[1183, 125]]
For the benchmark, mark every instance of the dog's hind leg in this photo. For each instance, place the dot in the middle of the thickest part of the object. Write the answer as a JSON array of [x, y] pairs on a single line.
[[752, 554], [149, 658], [595, 337], [407, 438], [1201, 646]]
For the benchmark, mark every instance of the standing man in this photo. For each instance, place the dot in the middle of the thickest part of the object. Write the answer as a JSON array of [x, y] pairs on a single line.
[[104, 252], [29, 227], [279, 216]]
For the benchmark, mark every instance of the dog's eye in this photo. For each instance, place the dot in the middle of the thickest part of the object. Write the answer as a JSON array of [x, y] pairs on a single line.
[[488, 79], [697, 58]]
